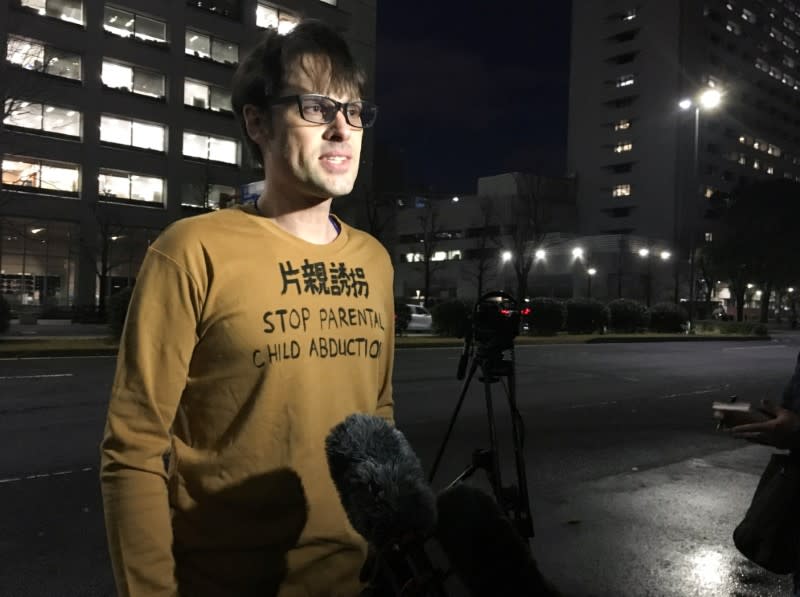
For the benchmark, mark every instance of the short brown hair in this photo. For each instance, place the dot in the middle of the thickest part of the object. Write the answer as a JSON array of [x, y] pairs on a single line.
[[264, 71]]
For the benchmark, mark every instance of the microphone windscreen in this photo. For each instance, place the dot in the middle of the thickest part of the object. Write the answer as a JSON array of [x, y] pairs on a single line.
[[483, 548], [380, 480]]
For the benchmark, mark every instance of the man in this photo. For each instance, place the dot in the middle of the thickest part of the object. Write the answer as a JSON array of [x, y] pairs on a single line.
[[252, 331]]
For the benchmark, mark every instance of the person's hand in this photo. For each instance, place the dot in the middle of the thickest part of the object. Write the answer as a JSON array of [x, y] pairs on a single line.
[[781, 431]]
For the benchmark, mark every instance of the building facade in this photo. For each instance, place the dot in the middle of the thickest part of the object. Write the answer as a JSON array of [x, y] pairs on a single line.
[[117, 121], [646, 167], [467, 245]]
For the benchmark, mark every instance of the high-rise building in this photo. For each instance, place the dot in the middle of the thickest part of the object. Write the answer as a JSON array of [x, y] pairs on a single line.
[[117, 121], [646, 166]]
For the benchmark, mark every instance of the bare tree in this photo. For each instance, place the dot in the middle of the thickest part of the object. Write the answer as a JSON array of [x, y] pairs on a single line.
[[531, 217], [380, 210], [430, 233], [485, 261]]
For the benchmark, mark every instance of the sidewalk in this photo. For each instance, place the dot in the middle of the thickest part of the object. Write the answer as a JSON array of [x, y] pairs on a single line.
[[635, 534], [55, 328]]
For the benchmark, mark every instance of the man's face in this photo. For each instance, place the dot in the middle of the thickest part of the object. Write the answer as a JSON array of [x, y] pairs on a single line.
[[318, 161]]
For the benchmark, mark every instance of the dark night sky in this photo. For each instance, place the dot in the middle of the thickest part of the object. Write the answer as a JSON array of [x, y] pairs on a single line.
[[472, 89]]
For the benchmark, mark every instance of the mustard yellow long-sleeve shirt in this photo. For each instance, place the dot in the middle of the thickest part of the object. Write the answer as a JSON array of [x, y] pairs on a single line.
[[243, 347]]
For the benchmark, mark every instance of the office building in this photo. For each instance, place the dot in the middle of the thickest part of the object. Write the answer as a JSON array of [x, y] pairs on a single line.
[[641, 182], [117, 121], [470, 242]]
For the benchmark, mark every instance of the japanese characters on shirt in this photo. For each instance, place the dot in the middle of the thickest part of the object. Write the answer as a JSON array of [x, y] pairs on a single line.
[[323, 332]]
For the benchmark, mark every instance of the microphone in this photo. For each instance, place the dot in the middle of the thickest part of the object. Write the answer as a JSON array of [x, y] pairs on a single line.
[[489, 556], [380, 480]]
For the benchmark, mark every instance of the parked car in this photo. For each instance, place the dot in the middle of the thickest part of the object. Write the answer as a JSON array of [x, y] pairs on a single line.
[[421, 319]]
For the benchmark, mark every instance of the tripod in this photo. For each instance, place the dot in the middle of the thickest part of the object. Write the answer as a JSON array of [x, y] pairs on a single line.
[[494, 367]]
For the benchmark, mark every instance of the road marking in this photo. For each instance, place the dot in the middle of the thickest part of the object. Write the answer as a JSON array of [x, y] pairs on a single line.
[[46, 475], [51, 358], [756, 347], [6, 377]]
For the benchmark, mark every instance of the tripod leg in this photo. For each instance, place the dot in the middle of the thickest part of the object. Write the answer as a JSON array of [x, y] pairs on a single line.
[[492, 471], [523, 517], [460, 402]]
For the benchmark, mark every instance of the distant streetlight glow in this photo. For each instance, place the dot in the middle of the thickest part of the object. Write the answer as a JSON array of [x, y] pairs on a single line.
[[540, 254], [455, 199], [750, 286], [791, 289], [685, 104], [506, 256], [665, 255], [644, 252], [591, 271], [577, 252]]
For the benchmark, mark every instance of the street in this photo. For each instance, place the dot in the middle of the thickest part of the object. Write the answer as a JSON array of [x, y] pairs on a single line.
[[633, 491]]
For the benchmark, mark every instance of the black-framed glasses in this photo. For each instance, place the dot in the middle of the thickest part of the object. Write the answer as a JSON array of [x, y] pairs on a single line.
[[320, 109]]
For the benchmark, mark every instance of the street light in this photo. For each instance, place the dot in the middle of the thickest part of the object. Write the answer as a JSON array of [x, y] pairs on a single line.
[[577, 253], [665, 255], [540, 254], [644, 252], [708, 99], [506, 256], [590, 273]]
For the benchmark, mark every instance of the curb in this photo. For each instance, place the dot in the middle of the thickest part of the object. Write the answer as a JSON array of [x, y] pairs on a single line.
[[30, 352]]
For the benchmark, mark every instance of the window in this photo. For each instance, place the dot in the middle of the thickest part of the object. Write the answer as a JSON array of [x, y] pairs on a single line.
[[770, 170], [133, 79], [622, 125], [213, 196], [271, 17], [734, 28], [748, 16], [124, 23], [629, 15], [43, 117], [709, 237], [623, 147], [40, 174], [146, 135], [708, 192], [625, 80], [207, 147], [207, 97], [204, 46], [124, 185], [621, 190], [32, 55], [66, 10]]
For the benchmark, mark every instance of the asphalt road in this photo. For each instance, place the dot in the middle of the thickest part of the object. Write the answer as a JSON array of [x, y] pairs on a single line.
[[633, 492]]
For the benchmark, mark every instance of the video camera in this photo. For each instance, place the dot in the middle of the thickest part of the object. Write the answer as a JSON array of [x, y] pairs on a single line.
[[494, 325]]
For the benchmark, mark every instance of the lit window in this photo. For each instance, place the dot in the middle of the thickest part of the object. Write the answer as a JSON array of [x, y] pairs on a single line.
[[625, 81], [34, 56], [207, 147], [208, 97], [709, 192], [621, 190], [205, 46], [756, 165], [454, 255], [271, 17], [47, 176], [413, 257], [734, 28], [748, 16], [774, 150], [124, 23], [43, 117], [439, 256], [133, 79], [66, 10], [622, 125], [123, 185], [623, 147], [709, 237], [761, 64], [220, 196], [630, 14], [130, 132], [770, 170]]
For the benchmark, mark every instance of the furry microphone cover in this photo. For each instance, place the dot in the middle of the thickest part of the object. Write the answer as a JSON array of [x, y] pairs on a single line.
[[380, 480]]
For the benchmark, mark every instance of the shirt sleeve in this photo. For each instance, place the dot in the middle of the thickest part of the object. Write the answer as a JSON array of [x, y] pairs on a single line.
[[155, 350]]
